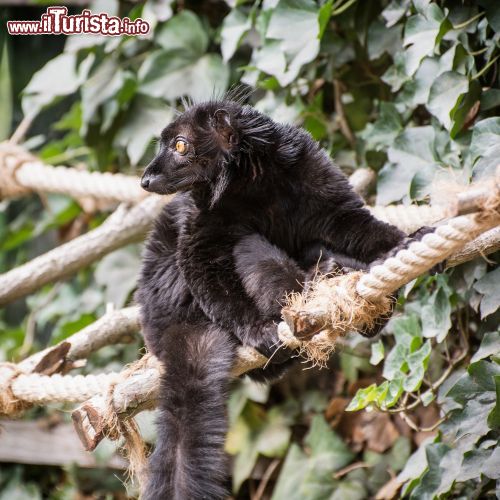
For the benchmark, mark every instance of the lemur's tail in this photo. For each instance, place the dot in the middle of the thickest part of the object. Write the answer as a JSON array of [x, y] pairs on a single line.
[[189, 462]]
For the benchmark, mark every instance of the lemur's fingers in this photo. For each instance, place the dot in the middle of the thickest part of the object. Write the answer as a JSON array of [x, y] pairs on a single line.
[[269, 345]]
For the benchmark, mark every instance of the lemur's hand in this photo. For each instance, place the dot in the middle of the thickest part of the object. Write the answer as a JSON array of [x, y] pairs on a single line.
[[405, 243], [269, 345]]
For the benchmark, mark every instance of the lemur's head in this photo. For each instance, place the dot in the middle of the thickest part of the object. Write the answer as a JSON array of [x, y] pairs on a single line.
[[196, 149]]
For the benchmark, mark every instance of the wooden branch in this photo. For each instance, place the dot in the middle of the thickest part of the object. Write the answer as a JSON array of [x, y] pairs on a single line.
[[138, 391], [483, 245], [124, 226], [344, 126], [38, 443], [112, 328], [362, 180]]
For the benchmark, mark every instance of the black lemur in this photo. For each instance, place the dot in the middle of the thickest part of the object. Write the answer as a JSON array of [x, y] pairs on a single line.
[[260, 205]]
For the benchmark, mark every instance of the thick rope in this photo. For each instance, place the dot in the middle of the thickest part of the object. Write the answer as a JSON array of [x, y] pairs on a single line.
[[17, 388], [422, 255], [10, 404], [21, 172], [60, 388], [409, 218]]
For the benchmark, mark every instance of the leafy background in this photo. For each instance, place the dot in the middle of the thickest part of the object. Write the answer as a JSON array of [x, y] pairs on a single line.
[[409, 88]]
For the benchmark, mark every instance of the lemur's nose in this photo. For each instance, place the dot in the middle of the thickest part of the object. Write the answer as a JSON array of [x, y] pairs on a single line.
[[145, 182]]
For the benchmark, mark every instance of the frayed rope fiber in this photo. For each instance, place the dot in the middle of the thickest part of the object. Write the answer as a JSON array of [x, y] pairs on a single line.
[[10, 405], [329, 309]]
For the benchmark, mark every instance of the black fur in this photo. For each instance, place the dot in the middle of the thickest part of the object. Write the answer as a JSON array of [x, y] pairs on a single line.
[[262, 207]]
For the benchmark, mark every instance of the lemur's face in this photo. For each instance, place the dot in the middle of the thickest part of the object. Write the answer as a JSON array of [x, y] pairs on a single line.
[[193, 150]]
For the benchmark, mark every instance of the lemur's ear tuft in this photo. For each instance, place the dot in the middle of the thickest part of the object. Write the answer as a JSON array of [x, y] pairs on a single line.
[[222, 124]]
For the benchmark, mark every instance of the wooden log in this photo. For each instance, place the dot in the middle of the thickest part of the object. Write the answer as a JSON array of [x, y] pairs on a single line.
[[35, 442]]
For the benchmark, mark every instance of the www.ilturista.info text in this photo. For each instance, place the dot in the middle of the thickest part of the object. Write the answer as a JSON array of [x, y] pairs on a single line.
[[56, 21]]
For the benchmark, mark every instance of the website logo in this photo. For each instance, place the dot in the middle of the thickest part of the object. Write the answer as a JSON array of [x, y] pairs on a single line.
[[56, 21]]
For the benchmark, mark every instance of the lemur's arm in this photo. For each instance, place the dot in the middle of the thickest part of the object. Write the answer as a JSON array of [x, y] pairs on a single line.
[[354, 231], [207, 264]]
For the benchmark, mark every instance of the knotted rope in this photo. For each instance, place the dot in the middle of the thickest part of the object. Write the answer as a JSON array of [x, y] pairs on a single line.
[[20, 173]]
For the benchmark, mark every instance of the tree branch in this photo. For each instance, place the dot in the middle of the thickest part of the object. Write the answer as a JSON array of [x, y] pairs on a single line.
[[124, 226], [112, 328], [485, 244]]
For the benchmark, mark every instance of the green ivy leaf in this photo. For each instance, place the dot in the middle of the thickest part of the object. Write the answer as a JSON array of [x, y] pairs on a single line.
[[393, 394], [5, 91], [395, 11], [431, 480], [200, 79], [362, 398], [43, 88], [234, 28], [415, 466], [104, 84], [436, 315], [420, 358], [144, 120], [377, 352], [494, 416], [491, 466], [311, 476], [476, 383], [117, 272], [467, 105], [295, 26], [492, 13], [395, 362], [444, 95], [256, 432], [422, 32], [183, 32], [485, 146], [293, 473], [381, 134], [414, 379], [488, 287], [382, 40], [490, 346], [412, 152]]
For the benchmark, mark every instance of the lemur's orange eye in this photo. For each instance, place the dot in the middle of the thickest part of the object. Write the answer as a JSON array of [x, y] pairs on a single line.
[[181, 147]]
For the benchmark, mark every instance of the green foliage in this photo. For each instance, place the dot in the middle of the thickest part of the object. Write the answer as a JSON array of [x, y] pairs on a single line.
[[467, 447], [408, 88]]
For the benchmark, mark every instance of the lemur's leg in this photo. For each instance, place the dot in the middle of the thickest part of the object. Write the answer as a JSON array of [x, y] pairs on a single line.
[[268, 273]]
